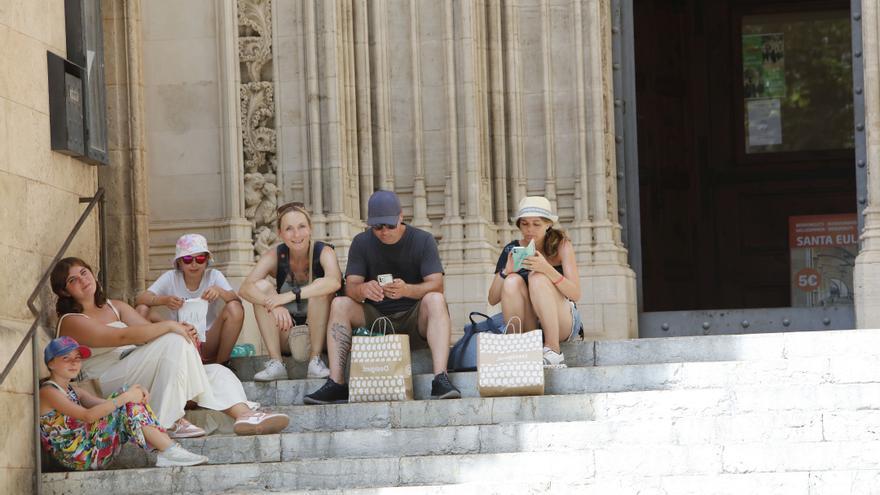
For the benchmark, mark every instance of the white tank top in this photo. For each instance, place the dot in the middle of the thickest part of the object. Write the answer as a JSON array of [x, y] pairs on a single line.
[[102, 358]]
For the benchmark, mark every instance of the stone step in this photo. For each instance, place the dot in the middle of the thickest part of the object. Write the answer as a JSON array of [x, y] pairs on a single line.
[[621, 378], [620, 465], [576, 354], [695, 430], [308, 474], [801, 483], [636, 406], [709, 348]]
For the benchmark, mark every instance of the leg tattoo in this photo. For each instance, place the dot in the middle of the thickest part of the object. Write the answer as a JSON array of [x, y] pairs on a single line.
[[342, 336]]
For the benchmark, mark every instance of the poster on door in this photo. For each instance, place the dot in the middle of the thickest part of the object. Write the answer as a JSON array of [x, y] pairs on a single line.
[[763, 65], [823, 253]]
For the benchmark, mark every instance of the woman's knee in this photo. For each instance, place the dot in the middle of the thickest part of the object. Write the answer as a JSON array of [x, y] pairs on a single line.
[[539, 282], [514, 286], [265, 287], [142, 310], [174, 346], [234, 310]]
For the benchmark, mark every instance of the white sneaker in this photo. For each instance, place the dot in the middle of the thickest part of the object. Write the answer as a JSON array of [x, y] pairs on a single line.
[[179, 456], [317, 368], [274, 370], [553, 359]]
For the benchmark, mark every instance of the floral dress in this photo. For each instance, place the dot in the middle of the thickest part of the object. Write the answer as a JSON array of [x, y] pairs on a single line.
[[85, 446]]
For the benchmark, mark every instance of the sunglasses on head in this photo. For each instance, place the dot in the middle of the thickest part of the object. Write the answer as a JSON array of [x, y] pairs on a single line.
[[292, 206], [199, 258], [382, 226]]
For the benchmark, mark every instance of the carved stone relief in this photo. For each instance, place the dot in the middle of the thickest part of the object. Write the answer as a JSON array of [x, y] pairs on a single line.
[[257, 98]]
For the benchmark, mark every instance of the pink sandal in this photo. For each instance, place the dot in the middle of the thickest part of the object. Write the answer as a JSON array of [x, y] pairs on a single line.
[[260, 423], [184, 429]]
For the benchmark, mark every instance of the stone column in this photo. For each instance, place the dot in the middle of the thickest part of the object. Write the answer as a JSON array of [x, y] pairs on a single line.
[[336, 87], [866, 276], [125, 182], [549, 131], [468, 278], [452, 227], [608, 303], [420, 200], [364, 103], [517, 182]]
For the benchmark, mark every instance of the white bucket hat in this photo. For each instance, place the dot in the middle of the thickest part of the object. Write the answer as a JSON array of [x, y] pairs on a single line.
[[535, 206], [189, 245]]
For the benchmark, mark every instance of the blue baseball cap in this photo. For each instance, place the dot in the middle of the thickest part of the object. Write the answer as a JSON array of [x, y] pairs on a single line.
[[63, 346], [383, 207]]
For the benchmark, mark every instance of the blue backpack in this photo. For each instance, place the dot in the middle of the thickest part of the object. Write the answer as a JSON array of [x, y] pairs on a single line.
[[463, 355]]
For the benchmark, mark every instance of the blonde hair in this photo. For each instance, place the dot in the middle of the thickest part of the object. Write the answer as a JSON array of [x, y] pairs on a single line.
[[291, 207], [298, 207]]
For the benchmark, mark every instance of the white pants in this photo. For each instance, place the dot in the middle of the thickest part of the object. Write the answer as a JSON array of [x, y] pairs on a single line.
[[171, 369]]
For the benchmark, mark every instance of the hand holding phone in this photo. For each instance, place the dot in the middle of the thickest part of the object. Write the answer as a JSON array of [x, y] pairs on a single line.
[[522, 252]]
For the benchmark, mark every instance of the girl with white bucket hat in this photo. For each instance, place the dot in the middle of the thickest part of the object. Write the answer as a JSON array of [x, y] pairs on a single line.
[[193, 292], [542, 293]]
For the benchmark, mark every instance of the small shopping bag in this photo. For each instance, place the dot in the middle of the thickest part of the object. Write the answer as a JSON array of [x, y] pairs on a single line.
[[510, 364], [381, 366]]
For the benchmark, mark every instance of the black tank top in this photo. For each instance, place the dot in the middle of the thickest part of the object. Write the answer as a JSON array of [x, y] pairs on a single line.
[[282, 270]]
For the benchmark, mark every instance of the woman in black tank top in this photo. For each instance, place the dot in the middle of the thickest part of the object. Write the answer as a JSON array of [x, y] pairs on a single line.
[[292, 314], [542, 293]]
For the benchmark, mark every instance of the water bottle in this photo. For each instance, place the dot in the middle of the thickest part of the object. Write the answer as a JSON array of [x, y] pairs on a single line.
[[242, 350]]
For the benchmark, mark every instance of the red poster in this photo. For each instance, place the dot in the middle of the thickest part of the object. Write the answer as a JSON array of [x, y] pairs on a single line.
[[823, 253]]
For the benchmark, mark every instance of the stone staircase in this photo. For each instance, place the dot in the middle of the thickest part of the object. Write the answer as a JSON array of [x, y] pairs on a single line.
[[776, 413]]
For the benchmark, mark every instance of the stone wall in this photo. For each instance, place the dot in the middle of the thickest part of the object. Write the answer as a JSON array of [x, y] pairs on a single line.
[[39, 204], [462, 107]]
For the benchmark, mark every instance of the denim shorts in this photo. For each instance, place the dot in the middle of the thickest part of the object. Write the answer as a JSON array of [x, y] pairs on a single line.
[[577, 327]]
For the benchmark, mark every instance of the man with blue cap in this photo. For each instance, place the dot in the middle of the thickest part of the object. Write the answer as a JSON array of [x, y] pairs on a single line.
[[393, 271]]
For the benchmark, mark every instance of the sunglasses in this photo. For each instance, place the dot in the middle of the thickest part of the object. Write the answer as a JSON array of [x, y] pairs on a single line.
[[382, 226], [292, 206], [199, 258]]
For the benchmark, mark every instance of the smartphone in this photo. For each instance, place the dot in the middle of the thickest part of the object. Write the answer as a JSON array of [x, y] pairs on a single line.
[[385, 279], [520, 253]]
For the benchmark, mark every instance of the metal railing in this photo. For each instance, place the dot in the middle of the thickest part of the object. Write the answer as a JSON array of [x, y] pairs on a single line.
[[33, 337]]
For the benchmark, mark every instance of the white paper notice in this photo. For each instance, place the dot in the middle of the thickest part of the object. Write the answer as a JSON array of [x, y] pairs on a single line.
[[195, 312], [765, 122]]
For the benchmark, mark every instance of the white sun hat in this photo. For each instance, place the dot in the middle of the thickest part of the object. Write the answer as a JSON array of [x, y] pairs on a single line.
[[189, 245], [535, 206]]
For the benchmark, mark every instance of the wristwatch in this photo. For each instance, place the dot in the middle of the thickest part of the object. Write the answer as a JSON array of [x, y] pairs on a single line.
[[297, 291]]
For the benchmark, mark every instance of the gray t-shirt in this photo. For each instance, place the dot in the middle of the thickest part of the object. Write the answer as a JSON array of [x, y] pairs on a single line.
[[411, 259]]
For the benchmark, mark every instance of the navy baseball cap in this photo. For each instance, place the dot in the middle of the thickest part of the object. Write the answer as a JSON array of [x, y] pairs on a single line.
[[63, 346], [383, 207]]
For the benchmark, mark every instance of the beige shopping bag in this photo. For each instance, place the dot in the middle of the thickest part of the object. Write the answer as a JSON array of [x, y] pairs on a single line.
[[510, 363], [381, 366]]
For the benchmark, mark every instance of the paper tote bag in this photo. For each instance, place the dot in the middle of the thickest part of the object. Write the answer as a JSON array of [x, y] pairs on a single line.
[[510, 364], [381, 369]]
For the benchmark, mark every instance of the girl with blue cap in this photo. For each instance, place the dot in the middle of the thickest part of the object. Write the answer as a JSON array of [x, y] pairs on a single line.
[[85, 432]]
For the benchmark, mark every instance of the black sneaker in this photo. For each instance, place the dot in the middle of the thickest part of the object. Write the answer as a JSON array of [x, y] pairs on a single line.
[[329, 393], [441, 388]]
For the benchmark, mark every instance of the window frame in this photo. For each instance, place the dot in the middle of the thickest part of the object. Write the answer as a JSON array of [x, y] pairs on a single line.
[[77, 31]]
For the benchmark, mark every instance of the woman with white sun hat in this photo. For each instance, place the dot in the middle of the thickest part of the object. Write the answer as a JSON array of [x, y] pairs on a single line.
[[543, 292]]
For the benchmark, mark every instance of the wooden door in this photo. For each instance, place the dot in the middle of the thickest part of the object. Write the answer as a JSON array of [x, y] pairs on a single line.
[[715, 208]]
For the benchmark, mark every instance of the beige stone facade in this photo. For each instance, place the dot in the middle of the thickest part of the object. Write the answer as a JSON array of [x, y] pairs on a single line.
[[429, 99], [218, 110], [39, 204]]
